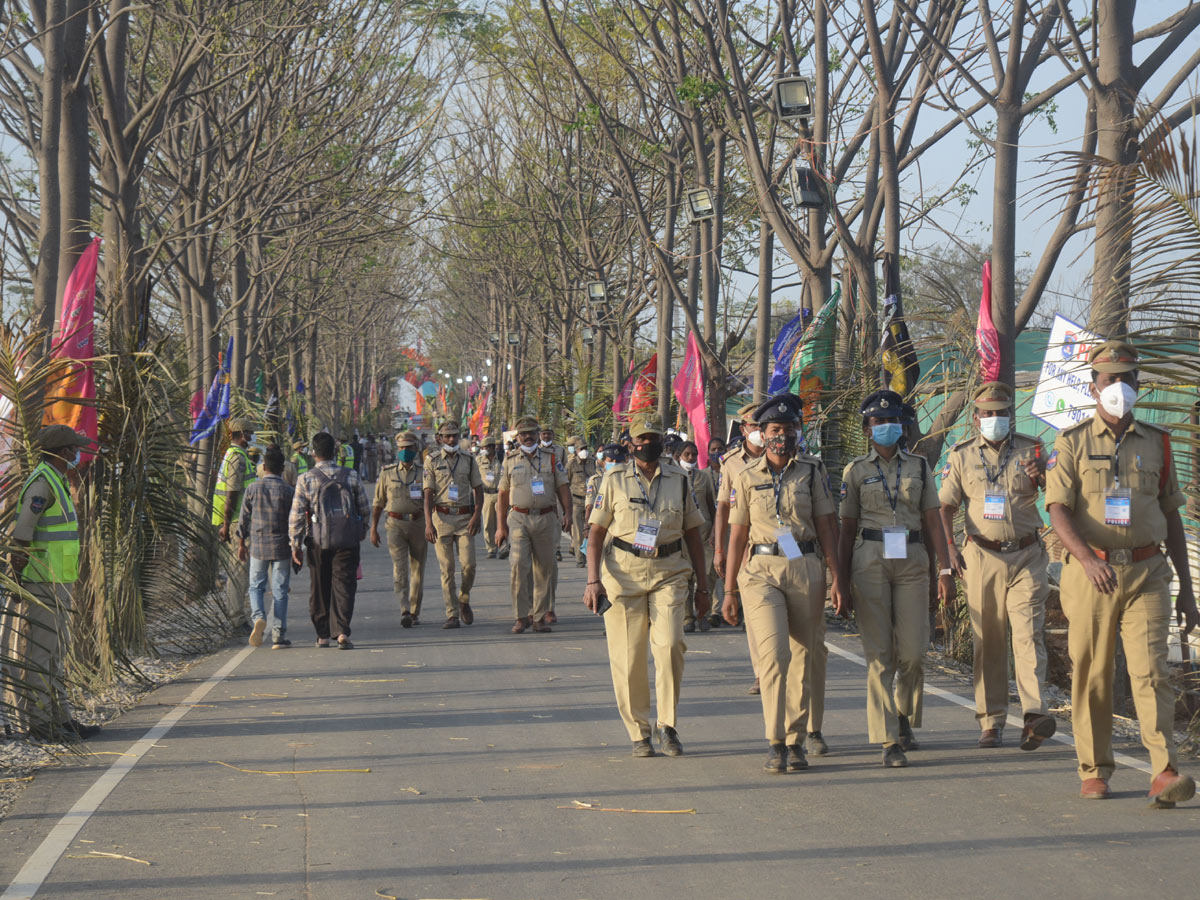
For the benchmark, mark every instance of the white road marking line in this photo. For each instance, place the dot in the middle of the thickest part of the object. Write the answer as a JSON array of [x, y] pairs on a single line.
[[37, 868], [1121, 758]]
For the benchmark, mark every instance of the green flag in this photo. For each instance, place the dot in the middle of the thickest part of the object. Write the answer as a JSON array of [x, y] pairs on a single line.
[[812, 366]]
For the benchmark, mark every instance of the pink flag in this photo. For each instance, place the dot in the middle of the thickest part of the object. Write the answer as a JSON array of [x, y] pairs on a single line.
[[987, 340], [645, 389], [689, 391], [196, 406], [71, 392], [621, 404]]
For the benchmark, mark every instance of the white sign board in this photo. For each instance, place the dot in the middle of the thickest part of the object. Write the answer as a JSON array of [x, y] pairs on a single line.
[[1064, 396]]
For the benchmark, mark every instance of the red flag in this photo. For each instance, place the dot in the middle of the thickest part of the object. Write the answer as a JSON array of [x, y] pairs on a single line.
[[71, 392], [987, 339], [689, 391], [645, 391]]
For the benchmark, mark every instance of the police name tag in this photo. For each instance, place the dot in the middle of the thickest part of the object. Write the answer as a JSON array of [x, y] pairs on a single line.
[[787, 543], [895, 542], [453, 492], [539, 487], [647, 534], [414, 491], [1117, 507], [993, 506]]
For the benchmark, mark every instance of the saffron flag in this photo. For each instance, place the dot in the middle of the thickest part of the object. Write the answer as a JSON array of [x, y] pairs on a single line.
[[478, 417], [216, 404], [689, 391], [900, 367], [784, 351], [812, 365], [71, 389], [645, 389], [987, 339]]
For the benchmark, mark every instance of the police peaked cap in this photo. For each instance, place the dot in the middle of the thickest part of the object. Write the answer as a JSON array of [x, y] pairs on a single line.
[[883, 404], [786, 408]]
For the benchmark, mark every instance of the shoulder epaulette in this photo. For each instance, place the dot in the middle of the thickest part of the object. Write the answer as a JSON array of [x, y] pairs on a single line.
[[1076, 426], [965, 442], [1155, 426]]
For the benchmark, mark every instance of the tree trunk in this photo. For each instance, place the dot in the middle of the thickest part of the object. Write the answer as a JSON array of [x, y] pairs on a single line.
[[45, 279], [74, 172], [762, 333], [1004, 234]]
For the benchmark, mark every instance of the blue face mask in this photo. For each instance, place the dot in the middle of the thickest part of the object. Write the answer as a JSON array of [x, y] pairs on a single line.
[[406, 454], [886, 435]]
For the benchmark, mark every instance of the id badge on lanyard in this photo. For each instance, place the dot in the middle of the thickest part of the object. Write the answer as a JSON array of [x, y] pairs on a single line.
[[1117, 507], [414, 491], [647, 534], [539, 487], [994, 506], [895, 542], [453, 492], [787, 543]]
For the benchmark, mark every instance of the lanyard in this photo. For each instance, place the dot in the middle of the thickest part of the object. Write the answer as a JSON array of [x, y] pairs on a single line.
[[637, 476], [995, 480], [892, 498], [777, 484], [692, 487], [1117, 461], [537, 455]]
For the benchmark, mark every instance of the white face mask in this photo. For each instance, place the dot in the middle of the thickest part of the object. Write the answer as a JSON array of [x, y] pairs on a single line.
[[756, 438], [1118, 399], [447, 449], [547, 443], [529, 448], [583, 454], [687, 466], [994, 428]]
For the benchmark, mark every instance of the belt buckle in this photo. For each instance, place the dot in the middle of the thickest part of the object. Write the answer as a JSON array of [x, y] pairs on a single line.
[[1120, 557], [1009, 546]]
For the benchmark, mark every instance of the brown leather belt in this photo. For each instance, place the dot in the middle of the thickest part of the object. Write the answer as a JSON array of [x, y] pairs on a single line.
[[1126, 557], [491, 490], [406, 517], [533, 512], [455, 510], [1003, 546]]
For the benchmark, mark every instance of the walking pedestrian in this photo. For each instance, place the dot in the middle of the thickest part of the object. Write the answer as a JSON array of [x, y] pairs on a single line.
[[399, 493], [453, 491], [491, 463], [531, 486], [580, 467], [888, 497], [263, 540], [640, 522], [704, 492], [998, 474], [235, 475], [329, 520], [783, 528], [1113, 498]]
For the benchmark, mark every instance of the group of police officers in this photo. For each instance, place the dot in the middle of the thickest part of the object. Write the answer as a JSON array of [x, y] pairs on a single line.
[[655, 533]]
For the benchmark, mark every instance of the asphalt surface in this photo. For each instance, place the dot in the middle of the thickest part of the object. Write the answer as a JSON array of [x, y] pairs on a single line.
[[479, 743]]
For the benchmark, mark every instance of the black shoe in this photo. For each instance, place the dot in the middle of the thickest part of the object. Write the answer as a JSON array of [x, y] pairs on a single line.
[[406, 620], [796, 759], [777, 760], [668, 741], [451, 622], [716, 621], [504, 554], [581, 563], [416, 620], [689, 628], [704, 624], [280, 643], [491, 554], [816, 744], [893, 757], [558, 555], [907, 741], [642, 748], [345, 644]]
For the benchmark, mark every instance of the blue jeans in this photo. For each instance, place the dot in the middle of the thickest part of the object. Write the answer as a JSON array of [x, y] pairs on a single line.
[[280, 572]]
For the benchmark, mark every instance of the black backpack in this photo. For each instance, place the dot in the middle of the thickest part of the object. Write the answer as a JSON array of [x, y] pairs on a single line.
[[337, 523]]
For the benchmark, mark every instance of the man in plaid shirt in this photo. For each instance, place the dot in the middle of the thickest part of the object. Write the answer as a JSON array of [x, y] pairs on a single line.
[[264, 523]]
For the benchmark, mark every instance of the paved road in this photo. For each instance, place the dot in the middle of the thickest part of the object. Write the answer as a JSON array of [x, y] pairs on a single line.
[[476, 739]]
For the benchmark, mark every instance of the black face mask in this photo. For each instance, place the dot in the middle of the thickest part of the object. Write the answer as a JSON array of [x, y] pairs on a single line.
[[649, 452], [782, 445]]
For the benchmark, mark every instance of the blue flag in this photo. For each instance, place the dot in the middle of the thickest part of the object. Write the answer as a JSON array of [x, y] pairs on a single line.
[[784, 349], [216, 404]]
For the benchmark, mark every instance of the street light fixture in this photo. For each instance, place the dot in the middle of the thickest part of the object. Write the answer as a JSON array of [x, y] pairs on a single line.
[[700, 204], [587, 335], [807, 191], [494, 338], [489, 362], [458, 381], [514, 338], [469, 379], [793, 97], [597, 294]]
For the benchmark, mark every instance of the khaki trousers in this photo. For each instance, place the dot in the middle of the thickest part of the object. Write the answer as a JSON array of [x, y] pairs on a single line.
[[647, 598], [1140, 610], [784, 606], [579, 528], [237, 590], [891, 606], [33, 639], [452, 534], [409, 549], [533, 540], [490, 521], [1006, 589]]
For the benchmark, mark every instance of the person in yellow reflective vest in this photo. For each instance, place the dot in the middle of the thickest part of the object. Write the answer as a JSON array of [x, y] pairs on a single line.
[[300, 462], [236, 473], [45, 563]]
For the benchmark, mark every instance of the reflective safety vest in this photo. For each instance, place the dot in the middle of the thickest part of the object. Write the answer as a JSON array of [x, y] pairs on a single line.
[[54, 550], [302, 462], [222, 491], [345, 456]]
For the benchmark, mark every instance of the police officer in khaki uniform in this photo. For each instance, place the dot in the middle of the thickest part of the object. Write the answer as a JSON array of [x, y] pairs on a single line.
[[532, 484], [704, 491], [888, 495], [781, 509], [1113, 499], [998, 474], [399, 492], [453, 508], [491, 462], [580, 468], [640, 522]]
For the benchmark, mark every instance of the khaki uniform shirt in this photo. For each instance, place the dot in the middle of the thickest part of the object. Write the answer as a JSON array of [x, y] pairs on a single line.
[[803, 495], [969, 476], [393, 490], [865, 494], [625, 500], [442, 470], [731, 464], [704, 492], [519, 473], [1085, 466], [578, 473], [490, 471], [38, 498], [593, 488], [559, 451]]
